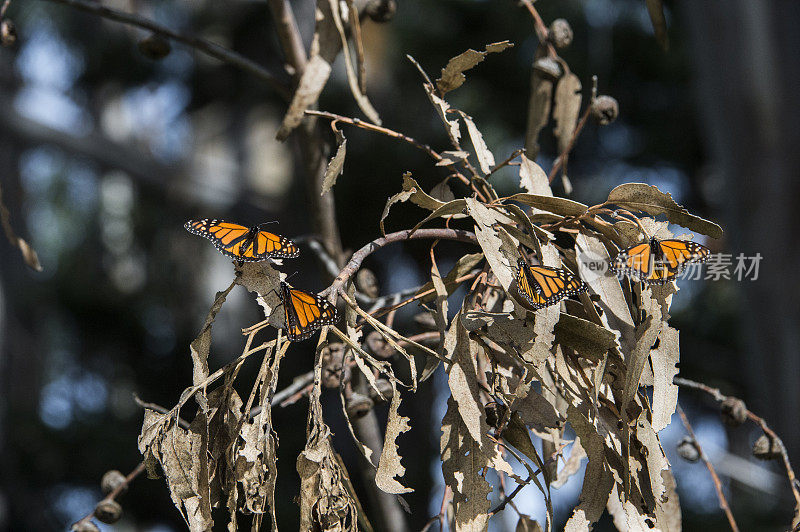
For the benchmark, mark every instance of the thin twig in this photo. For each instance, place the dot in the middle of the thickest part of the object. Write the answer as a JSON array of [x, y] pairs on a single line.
[[541, 29], [720, 397], [4, 8], [138, 470], [160, 409], [207, 47], [723, 503], [359, 256], [378, 129]]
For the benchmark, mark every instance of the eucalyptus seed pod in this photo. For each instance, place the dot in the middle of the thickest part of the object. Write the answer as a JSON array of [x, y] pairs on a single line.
[[378, 346], [108, 512], [358, 405], [766, 448], [560, 33], [154, 46], [549, 67], [8, 33], [381, 10], [332, 370], [367, 283], [687, 449], [605, 110], [111, 480], [85, 526], [733, 412], [385, 388]]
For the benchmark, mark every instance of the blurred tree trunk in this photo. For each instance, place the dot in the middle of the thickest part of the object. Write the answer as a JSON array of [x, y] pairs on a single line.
[[746, 58]]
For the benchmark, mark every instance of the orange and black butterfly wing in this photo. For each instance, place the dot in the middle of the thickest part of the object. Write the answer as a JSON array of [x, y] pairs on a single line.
[[229, 238], [636, 262], [542, 286], [676, 254], [304, 313], [243, 243], [266, 245]]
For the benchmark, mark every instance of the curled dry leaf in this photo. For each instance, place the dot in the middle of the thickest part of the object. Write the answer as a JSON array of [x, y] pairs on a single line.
[[389, 465], [573, 464], [485, 157], [562, 206], [452, 157], [201, 345], [567, 108], [539, 103], [336, 164], [453, 74], [648, 198]]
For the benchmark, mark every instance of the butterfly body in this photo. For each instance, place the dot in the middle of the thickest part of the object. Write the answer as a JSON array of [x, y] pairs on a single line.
[[658, 261], [248, 244], [304, 312], [542, 286]]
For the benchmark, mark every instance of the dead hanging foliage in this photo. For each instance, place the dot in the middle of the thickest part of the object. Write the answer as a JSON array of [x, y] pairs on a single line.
[[574, 374]]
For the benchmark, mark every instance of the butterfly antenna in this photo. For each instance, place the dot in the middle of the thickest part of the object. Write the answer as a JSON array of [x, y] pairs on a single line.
[[267, 223]]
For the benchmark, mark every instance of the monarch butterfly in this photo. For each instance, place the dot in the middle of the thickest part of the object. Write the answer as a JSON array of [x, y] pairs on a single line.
[[304, 313], [658, 261], [542, 286], [249, 244]]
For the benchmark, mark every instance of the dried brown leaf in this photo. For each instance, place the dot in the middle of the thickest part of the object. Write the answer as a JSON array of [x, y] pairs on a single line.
[[646, 335], [603, 282], [665, 393], [200, 346], [572, 465], [584, 337], [655, 8], [389, 465], [443, 192], [453, 74], [567, 108], [597, 481], [314, 78], [452, 157], [648, 198], [538, 111], [462, 462], [532, 178], [562, 206], [526, 524], [442, 107], [336, 164], [485, 157]]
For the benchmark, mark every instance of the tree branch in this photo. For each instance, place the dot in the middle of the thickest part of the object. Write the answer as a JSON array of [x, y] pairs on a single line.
[[207, 47], [720, 397], [359, 256], [289, 35], [723, 503], [113, 495]]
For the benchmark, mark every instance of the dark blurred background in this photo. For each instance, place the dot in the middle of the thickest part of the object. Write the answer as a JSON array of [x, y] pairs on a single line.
[[105, 153]]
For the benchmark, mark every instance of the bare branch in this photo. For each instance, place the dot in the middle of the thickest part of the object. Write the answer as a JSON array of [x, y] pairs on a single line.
[[207, 47], [723, 503], [720, 397], [138, 470], [359, 256]]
